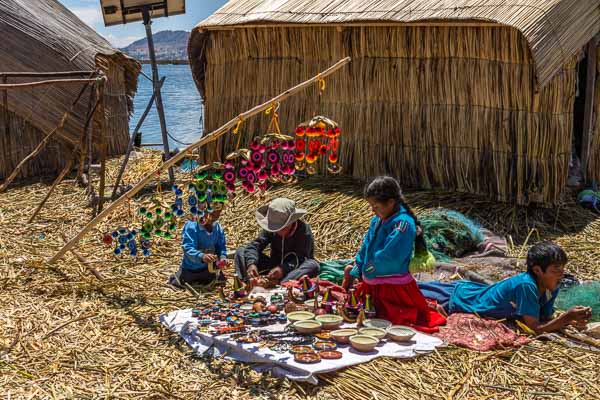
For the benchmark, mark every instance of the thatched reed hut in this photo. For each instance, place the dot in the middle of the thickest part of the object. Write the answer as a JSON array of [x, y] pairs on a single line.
[[473, 95], [44, 36]]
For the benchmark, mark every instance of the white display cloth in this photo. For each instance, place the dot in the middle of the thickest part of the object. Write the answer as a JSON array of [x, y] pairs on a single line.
[[283, 364]]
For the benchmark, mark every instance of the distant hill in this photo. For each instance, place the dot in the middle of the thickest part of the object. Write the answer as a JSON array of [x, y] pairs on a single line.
[[168, 45]]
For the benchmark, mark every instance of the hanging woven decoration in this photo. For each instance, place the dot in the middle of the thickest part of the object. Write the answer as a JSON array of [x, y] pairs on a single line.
[[210, 189], [317, 139], [157, 221]]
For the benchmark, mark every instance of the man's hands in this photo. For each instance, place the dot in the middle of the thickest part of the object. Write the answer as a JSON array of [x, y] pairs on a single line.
[[252, 271], [269, 280], [276, 274]]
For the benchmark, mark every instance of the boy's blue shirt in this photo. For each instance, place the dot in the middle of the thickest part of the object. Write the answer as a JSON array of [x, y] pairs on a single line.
[[387, 247], [196, 241], [514, 297]]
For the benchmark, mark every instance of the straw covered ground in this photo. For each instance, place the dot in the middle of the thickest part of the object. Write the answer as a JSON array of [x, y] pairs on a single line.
[[66, 334]]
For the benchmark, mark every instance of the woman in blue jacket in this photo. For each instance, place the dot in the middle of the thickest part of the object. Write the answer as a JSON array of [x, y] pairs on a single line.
[[383, 260]]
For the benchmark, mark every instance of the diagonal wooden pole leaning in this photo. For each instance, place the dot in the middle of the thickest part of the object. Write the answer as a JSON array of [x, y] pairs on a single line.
[[211, 137]]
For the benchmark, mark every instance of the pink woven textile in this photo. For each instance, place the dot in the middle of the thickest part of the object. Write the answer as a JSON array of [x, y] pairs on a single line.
[[473, 332]]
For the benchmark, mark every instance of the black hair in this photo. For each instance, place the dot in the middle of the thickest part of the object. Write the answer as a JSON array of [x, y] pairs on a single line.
[[544, 254], [385, 188]]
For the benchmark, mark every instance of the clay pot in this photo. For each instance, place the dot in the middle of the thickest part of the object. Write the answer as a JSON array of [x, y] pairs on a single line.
[[272, 309], [257, 307]]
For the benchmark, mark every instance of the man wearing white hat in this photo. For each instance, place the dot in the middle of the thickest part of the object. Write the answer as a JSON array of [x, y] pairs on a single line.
[[291, 242]]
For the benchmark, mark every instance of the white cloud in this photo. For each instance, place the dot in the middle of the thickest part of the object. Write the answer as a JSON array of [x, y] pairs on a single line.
[[120, 41], [89, 15]]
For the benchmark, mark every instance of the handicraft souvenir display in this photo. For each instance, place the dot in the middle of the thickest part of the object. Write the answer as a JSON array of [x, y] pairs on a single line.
[[272, 158], [317, 139]]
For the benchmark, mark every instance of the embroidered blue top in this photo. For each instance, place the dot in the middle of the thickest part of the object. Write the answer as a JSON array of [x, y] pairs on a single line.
[[196, 241], [514, 297], [387, 247]]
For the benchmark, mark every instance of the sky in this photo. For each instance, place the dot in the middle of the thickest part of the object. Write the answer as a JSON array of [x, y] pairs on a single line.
[[121, 35]]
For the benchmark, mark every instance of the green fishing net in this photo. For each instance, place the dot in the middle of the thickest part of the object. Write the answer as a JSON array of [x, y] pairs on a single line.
[[587, 294], [450, 234]]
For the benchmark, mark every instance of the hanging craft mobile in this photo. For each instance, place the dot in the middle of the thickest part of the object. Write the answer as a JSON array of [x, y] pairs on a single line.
[[317, 139]]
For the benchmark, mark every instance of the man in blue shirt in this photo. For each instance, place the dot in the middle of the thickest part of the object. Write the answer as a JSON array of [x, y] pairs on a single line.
[[204, 245], [528, 296]]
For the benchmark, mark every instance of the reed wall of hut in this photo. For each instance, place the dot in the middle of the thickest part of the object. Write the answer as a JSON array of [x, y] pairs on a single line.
[[43, 36], [594, 156], [454, 108]]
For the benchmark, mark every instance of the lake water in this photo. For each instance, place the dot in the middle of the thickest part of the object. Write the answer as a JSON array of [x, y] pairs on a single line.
[[182, 103]]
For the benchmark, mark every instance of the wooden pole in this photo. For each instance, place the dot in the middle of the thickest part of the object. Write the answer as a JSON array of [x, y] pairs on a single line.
[[588, 114], [155, 83], [103, 145], [211, 137], [63, 74], [132, 139], [13, 86], [58, 179], [82, 153]]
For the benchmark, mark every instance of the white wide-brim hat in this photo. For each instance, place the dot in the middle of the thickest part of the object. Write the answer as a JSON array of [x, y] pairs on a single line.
[[278, 214]]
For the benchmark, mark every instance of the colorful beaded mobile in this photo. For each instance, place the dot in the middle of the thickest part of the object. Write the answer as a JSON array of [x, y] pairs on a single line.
[[317, 139]]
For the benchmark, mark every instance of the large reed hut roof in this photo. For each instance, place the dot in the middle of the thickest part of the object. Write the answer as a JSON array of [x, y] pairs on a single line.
[[44, 36], [554, 29]]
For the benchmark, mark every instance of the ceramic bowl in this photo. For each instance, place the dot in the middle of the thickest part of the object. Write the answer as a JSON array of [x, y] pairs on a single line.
[[300, 316], [363, 343], [330, 321], [375, 332], [310, 304], [308, 326], [377, 323], [343, 335], [400, 333]]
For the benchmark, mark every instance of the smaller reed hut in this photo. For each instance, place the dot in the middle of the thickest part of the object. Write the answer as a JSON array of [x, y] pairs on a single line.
[[468, 95], [43, 36]]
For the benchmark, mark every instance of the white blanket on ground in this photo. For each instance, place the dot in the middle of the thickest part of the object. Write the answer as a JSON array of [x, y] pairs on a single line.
[[283, 364]]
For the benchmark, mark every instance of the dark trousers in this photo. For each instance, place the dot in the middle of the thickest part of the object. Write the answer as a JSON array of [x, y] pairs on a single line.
[[202, 277], [265, 264]]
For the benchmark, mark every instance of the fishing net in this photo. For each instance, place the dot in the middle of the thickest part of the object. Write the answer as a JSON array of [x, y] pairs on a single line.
[[587, 294], [450, 234]]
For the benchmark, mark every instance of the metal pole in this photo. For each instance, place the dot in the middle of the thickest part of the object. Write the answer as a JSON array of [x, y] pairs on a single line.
[[132, 139], [155, 83]]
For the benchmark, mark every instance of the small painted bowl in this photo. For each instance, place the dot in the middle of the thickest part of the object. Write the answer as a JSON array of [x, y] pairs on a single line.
[[400, 333], [377, 323], [300, 316], [330, 321], [307, 358], [307, 326], [300, 349], [343, 335], [325, 345], [363, 343], [375, 332], [330, 354]]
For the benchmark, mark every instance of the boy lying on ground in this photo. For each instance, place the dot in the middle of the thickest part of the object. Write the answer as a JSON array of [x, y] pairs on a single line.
[[528, 296]]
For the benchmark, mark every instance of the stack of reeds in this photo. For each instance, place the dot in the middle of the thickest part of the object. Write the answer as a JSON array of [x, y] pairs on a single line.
[[440, 107]]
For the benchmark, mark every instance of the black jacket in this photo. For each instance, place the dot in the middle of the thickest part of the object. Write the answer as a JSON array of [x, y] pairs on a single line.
[[289, 253]]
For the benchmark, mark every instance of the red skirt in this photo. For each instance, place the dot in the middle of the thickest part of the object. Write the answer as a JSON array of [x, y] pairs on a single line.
[[402, 305]]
